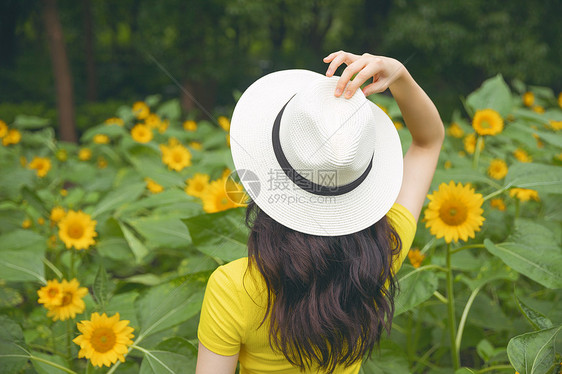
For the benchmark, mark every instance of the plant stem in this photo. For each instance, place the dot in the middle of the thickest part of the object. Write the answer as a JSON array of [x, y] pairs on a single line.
[[477, 152], [39, 359], [464, 316], [68, 337], [440, 297], [451, 311], [72, 273]]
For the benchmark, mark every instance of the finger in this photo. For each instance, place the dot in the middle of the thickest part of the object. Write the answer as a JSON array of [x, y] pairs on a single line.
[[349, 71], [359, 79], [339, 59], [330, 57], [378, 85]]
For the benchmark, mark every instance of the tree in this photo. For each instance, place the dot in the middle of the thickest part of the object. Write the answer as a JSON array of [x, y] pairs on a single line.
[[61, 71]]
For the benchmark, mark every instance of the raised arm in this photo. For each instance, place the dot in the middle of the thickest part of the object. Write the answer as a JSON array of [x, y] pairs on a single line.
[[419, 113]]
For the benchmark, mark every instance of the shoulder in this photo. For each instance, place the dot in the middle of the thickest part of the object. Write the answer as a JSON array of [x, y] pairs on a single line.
[[230, 274], [401, 218]]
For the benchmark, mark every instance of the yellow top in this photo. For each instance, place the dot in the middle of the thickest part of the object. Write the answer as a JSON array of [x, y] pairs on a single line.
[[233, 308]]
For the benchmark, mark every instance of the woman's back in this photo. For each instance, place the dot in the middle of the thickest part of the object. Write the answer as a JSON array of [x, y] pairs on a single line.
[[236, 300]]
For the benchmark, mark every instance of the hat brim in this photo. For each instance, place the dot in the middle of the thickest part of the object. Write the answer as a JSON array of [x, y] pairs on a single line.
[[277, 195]]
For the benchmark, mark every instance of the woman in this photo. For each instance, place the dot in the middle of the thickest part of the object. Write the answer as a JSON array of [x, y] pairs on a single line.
[[332, 218]]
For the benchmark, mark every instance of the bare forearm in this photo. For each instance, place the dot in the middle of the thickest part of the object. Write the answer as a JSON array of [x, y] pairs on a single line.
[[419, 112]]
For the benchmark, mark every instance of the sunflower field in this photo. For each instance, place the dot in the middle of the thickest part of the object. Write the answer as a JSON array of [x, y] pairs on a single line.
[[106, 246]]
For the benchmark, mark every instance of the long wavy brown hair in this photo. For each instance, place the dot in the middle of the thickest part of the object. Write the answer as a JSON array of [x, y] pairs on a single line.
[[329, 297]]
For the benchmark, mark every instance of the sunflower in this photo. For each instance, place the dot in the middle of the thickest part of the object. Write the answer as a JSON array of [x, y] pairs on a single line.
[[104, 339], [152, 121], [560, 99], [57, 214], [228, 140], [398, 125], [12, 137], [455, 130], [41, 164], [497, 169], [416, 257], [3, 129], [555, 125], [538, 109], [51, 294], [522, 155], [540, 144], [470, 143], [524, 194], [63, 192], [487, 122], [190, 125], [141, 133], [152, 186], [26, 223], [528, 99], [225, 173], [177, 157], [197, 184], [196, 145], [448, 164], [115, 121], [224, 123], [163, 126], [223, 194], [101, 139], [498, 204], [85, 154], [71, 301], [77, 230], [141, 110], [102, 163], [454, 212], [41, 220]]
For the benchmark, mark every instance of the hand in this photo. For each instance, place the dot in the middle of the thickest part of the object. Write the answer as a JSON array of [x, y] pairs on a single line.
[[384, 71]]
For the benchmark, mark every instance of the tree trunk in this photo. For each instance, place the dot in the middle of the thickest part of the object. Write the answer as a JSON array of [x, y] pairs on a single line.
[[91, 86], [203, 92], [61, 71]]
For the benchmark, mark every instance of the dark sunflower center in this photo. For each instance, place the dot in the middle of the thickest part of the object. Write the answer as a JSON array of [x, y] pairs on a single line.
[[53, 292], [66, 299], [76, 230], [103, 339], [453, 213]]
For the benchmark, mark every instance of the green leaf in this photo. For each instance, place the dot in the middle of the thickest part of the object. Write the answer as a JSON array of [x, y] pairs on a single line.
[[485, 350], [540, 177], [162, 231], [22, 240], [9, 297], [21, 266], [11, 344], [23, 121], [137, 247], [532, 251], [167, 197], [494, 94], [416, 286], [170, 109], [222, 235], [100, 287], [490, 271], [35, 201], [115, 249], [163, 362], [533, 352], [117, 198], [391, 359], [168, 305], [460, 175], [45, 368], [465, 371], [538, 320]]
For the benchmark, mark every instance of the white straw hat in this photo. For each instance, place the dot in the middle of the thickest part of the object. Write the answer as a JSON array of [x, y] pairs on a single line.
[[316, 163]]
